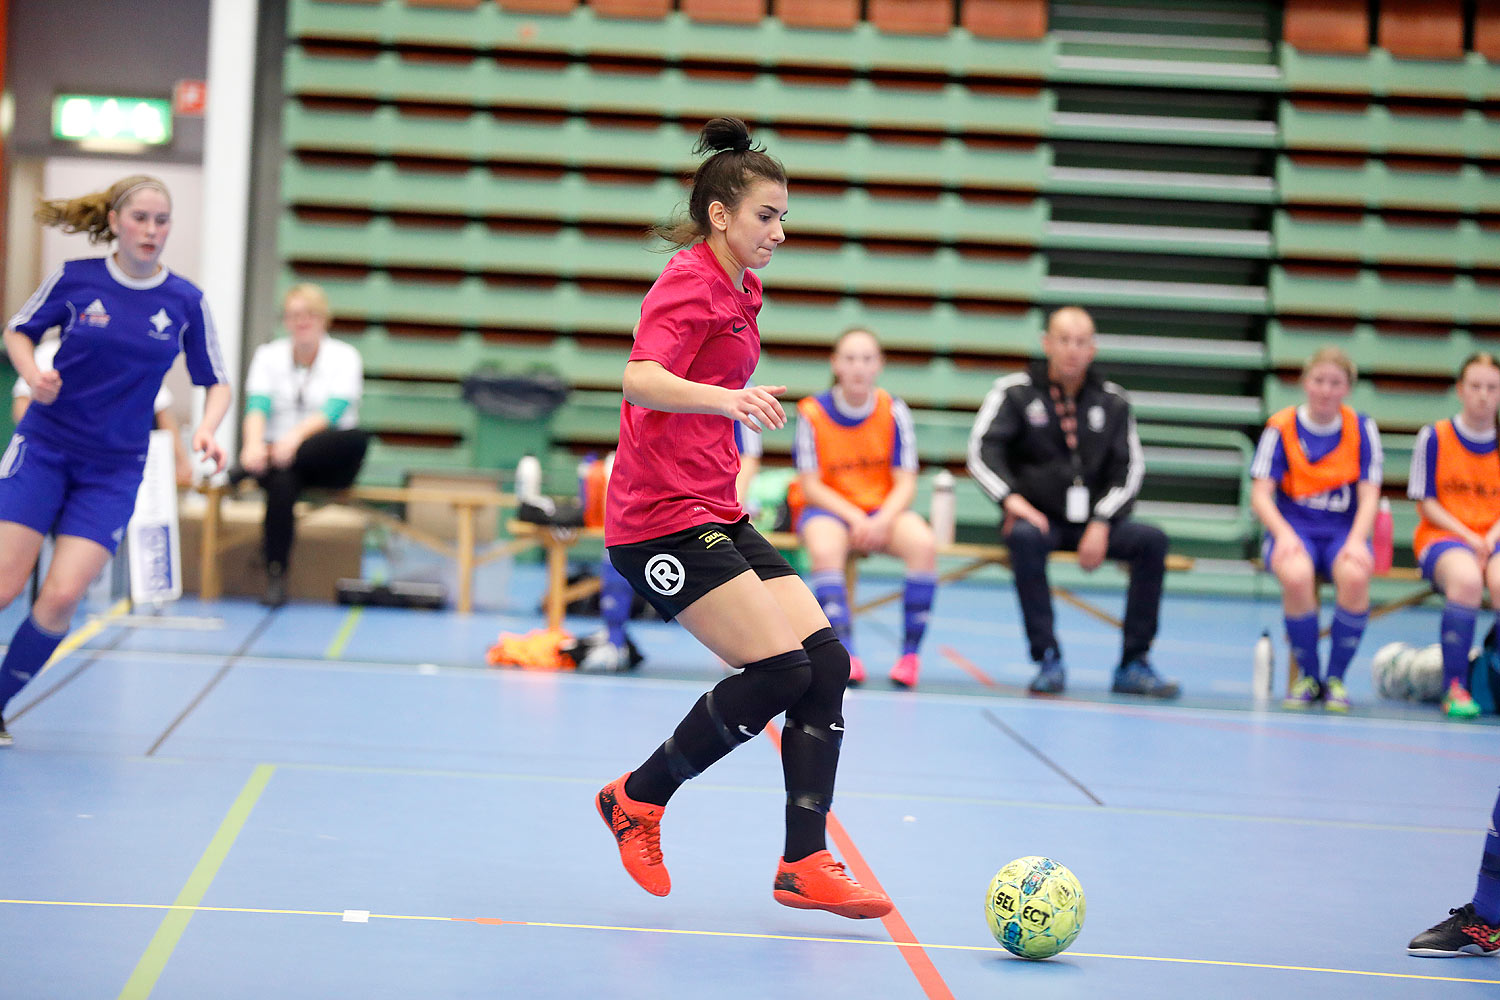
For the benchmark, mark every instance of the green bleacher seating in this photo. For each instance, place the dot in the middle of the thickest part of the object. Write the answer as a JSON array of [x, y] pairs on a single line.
[[1379, 74], [1374, 352], [1463, 243], [579, 88], [1377, 129], [1374, 184], [1367, 294]]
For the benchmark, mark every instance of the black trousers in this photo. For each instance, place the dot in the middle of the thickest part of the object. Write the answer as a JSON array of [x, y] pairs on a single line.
[[1142, 546], [329, 459]]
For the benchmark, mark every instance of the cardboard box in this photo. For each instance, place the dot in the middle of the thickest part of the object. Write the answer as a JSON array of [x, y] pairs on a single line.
[[329, 546]]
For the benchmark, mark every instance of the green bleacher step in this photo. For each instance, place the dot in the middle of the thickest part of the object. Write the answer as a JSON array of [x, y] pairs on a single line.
[[1368, 295]]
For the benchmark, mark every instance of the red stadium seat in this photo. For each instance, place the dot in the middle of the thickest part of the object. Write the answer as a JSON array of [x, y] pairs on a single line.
[[1340, 26], [644, 9], [912, 17], [1019, 19], [1487, 29], [1422, 29], [837, 15], [521, 6], [725, 11]]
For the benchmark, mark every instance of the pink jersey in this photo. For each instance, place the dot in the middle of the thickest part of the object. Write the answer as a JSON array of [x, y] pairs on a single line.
[[676, 470]]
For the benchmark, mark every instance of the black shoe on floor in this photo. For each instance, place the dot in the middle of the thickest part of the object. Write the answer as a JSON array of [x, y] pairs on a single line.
[[275, 595], [1463, 933]]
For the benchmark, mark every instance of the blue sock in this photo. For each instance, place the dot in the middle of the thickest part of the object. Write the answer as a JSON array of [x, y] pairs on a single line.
[[1302, 637], [1348, 629], [1487, 892], [615, 596], [828, 588], [1457, 634], [916, 602], [29, 650]]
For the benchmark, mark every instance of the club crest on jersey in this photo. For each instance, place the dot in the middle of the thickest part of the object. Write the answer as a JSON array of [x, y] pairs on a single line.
[[95, 315], [159, 323], [1096, 418], [1036, 413]]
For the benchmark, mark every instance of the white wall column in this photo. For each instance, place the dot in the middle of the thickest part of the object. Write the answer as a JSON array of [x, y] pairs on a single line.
[[226, 182]]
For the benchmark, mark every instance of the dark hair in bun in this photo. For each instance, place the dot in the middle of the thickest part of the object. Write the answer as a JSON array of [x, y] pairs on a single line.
[[736, 163]]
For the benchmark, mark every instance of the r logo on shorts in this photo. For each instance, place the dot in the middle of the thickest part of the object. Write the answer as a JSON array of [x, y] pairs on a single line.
[[665, 575]]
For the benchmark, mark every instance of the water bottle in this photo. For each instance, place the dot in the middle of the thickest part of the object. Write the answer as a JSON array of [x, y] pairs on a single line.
[[585, 465], [594, 486], [528, 479], [1382, 539], [944, 510], [1263, 669]]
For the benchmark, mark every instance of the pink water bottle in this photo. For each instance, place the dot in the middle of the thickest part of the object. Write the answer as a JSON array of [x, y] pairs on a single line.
[[1382, 541]]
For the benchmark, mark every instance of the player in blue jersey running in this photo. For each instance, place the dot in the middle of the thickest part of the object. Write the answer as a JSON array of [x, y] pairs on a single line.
[[74, 464]]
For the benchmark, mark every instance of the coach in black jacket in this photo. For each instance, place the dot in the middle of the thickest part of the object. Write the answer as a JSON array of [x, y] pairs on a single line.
[[1056, 447]]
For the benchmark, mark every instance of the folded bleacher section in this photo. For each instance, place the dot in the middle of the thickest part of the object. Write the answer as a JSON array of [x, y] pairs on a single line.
[[1224, 183]]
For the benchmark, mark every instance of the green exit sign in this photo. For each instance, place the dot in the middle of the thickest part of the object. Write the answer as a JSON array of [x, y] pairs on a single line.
[[112, 122]]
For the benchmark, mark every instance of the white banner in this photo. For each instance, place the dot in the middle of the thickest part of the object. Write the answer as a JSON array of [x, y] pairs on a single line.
[[152, 541]]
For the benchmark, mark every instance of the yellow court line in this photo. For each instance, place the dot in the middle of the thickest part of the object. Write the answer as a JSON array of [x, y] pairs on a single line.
[[341, 639], [745, 935]]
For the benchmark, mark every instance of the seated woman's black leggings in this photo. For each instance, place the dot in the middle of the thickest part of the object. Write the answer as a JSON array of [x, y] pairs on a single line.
[[329, 459]]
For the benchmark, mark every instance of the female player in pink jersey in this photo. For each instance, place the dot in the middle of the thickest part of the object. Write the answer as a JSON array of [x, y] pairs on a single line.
[[676, 531]]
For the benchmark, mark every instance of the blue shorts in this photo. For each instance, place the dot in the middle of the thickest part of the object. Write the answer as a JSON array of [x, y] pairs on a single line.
[[1322, 549], [1433, 552], [50, 490], [810, 512]]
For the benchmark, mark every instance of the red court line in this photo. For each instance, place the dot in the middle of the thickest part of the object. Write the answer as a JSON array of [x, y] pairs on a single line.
[[968, 666], [916, 957]]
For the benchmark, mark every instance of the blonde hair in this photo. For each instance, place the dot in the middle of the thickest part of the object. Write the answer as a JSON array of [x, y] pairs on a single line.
[[1332, 356], [313, 295], [851, 331], [89, 214]]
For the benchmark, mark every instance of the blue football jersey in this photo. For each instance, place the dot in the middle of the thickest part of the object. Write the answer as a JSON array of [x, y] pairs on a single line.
[[119, 337]]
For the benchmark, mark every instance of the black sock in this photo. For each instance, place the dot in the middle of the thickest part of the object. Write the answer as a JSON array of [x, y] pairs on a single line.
[[735, 711], [810, 746]]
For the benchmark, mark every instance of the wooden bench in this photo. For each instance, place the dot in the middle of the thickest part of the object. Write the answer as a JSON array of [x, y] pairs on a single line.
[[464, 549], [557, 542]]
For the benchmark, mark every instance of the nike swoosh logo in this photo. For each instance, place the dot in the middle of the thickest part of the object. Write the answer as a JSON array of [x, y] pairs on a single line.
[[737, 329], [748, 733], [836, 728]]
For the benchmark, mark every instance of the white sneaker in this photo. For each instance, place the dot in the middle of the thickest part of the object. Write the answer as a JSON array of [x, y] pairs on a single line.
[[605, 658]]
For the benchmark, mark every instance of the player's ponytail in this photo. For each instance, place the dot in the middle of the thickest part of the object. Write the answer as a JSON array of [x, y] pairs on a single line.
[[734, 164], [89, 214]]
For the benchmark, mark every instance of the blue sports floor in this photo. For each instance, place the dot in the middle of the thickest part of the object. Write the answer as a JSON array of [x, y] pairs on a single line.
[[323, 803]]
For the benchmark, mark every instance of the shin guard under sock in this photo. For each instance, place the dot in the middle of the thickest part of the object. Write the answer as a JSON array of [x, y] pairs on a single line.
[[810, 746], [734, 712]]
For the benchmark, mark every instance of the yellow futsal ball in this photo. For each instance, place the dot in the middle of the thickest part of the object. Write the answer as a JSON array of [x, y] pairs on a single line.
[[1035, 907]]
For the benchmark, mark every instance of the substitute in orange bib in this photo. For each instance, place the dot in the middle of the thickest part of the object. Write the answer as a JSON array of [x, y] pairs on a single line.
[[1455, 479], [856, 454], [1315, 486]]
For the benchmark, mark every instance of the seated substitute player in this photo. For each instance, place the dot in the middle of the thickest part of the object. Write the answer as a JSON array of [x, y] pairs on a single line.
[[166, 420], [856, 454], [615, 654], [1455, 479], [1056, 446], [1315, 486], [1474, 928]]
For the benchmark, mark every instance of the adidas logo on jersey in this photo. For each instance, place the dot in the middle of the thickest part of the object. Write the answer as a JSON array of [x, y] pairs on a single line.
[[95, 314]]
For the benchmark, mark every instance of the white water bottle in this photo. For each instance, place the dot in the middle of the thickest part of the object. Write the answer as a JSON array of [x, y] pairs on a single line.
[[528, 479], [1263, 669], [944, 510]]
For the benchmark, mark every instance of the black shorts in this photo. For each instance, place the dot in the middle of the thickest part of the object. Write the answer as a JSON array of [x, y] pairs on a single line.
[[675, 570]]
